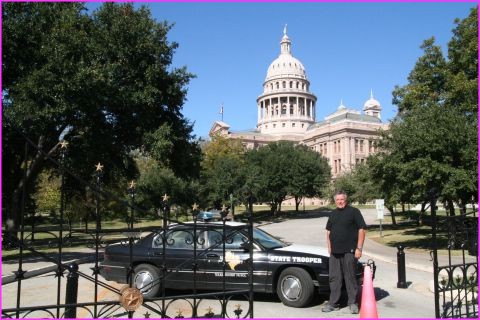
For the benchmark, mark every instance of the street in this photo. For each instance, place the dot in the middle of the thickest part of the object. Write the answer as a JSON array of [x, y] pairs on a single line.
[[416, 301]]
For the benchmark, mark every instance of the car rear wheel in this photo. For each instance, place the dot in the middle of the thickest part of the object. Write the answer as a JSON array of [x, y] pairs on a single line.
[[295, 287], [146, 280]]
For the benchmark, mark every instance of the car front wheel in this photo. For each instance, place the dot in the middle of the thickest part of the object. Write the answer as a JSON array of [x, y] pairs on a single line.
[[146, 279], [295, 287]]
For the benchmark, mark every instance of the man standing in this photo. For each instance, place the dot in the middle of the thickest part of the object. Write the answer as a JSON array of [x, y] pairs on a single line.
[[345, 236]]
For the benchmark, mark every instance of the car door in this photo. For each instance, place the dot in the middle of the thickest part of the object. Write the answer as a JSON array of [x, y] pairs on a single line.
[[179, 258], [236, 270]]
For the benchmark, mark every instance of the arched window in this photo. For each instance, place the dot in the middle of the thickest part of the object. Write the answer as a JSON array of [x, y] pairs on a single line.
[[284, 109], [284, 84]]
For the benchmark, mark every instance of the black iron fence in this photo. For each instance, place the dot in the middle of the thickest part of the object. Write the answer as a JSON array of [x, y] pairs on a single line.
[[456, 284], [104, 299]]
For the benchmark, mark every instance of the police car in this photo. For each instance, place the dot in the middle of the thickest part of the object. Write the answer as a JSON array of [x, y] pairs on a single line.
[[294, 272]]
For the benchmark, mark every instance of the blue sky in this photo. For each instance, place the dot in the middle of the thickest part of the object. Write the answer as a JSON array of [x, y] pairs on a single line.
[[347, 50]]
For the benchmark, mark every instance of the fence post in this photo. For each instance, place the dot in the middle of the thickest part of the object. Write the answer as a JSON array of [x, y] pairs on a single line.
[[402, 283], [71, 291]]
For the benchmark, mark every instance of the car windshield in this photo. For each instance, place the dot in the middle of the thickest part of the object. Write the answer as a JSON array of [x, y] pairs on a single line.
[[266, 240]]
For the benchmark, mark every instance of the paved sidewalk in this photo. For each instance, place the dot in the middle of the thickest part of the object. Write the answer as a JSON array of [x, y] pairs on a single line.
[[34, 266]]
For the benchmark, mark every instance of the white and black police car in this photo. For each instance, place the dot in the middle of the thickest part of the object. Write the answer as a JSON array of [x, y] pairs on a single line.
[[292, 271]]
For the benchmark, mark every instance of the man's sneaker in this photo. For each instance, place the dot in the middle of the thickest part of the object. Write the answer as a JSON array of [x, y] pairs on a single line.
[[328, 308], [354, 308]]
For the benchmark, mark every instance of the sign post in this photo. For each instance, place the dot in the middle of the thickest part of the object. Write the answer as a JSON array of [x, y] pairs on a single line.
[[379, 204]]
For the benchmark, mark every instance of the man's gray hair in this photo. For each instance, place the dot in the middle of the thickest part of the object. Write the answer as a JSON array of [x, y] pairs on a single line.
[[340, 192]]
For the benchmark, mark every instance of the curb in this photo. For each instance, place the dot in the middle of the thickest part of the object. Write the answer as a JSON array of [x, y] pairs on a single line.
[[393, 261]]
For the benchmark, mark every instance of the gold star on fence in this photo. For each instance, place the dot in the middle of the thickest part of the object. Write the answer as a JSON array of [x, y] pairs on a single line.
[[132, 184], [165, 197], [195, 206], [99, 167], [64, 144]]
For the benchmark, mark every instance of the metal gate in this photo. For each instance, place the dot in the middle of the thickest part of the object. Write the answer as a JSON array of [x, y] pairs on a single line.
[[456, 277], [104, 299]]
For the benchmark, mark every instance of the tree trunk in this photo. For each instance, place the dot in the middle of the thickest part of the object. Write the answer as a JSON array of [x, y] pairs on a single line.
[[451, 208], [297, 202], [392, 213], [33, 168]]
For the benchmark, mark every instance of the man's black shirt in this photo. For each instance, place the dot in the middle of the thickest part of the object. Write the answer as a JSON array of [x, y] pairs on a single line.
[[343, 225]]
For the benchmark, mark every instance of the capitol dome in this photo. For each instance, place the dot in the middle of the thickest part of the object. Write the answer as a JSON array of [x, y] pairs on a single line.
[[286, 107], [285, 65]]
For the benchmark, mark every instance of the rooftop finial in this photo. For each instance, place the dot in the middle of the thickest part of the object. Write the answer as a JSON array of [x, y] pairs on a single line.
[[371, 93], [285, 43]]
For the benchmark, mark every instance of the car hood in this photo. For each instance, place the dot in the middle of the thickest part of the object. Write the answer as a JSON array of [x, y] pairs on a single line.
[[300, 248]]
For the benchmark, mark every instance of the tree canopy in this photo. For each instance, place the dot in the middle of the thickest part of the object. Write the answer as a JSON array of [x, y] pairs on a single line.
[[431, 146], [102, 81]]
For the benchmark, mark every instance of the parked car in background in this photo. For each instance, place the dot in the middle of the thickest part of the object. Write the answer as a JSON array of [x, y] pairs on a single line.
[[211, 215], [291, 271]]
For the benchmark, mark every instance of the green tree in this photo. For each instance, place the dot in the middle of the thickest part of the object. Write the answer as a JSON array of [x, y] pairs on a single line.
[[310, 174], [222, 171], [281, 168], [104, 82], [432, 144], [47, 197], [270, 167]]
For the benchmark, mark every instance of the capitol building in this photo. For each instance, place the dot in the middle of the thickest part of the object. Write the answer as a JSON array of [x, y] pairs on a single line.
[[286, 111]]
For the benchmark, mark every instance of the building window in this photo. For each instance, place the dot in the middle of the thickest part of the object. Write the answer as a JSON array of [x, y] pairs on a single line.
[[283, 125], [278, 85], [336, 147], [284, 109], [274, 125], [291, 84], [284, 84], [291, 109], [293, 125]]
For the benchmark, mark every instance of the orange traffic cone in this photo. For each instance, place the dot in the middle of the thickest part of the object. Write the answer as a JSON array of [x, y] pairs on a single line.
[[368, 308]]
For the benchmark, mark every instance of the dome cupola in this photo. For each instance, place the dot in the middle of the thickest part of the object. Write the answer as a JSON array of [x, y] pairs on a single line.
[[285, 65], [372, 107]]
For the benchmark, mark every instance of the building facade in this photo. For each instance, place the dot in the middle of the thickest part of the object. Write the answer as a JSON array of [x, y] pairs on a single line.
[[286, 111]]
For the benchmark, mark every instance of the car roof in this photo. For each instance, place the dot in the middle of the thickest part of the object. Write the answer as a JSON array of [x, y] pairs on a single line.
[[218, 223]]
